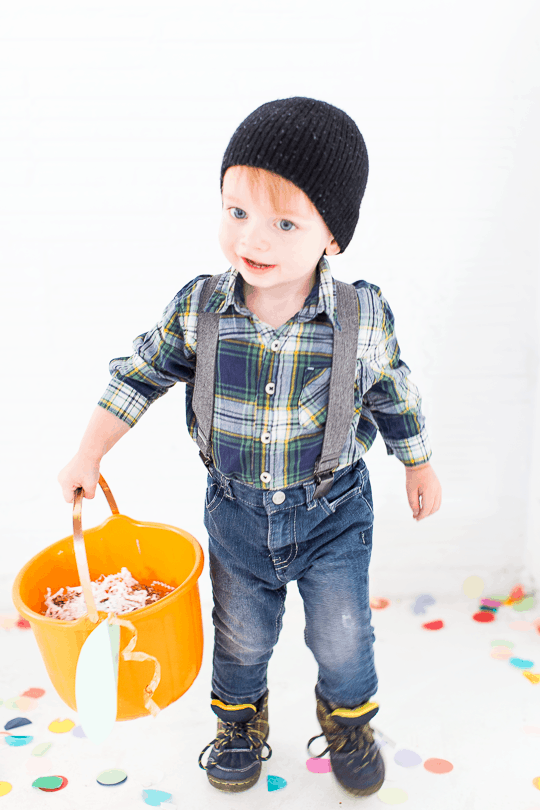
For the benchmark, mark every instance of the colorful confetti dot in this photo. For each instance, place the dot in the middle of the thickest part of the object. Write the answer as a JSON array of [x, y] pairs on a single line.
[[392, 795], [525, 604], [438, 765], [533, 677], [16, 722], [473, 587], [436, 625], [113, 776], [155, 797], [5, 787], [48, 782], [38, 766], [501, 642], [521, 625], [61, 786], [535, 781], [33, 693], [482, 616], [501, 653], [318, 765], [378, 604], [61, 726], [41, 749], [275, 782], [407, 758], [22, 624], [520, 663], [26, 704], [16, 740], [78, 732]]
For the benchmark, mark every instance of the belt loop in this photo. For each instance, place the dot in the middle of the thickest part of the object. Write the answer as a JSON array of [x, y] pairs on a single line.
[[311, 503]]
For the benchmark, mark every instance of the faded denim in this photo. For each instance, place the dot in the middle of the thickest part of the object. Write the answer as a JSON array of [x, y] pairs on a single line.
[[256, 547]]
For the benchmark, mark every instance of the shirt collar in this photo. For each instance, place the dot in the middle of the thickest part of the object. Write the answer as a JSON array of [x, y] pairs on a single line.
[[230, 292]]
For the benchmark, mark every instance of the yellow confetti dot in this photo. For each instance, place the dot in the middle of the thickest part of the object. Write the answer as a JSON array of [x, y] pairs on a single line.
[[533, 677], [61, 726], [535, 781], [5, 787], [392, 796], [473, 587]]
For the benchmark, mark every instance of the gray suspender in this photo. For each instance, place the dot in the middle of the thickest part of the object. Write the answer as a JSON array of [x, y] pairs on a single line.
[[205, 369], [340, 399]]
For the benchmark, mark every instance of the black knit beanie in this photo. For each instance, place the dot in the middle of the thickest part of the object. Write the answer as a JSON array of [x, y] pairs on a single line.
[[316, 146]]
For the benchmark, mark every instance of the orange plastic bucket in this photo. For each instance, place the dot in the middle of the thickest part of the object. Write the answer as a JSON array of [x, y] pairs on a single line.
[[170, 630]]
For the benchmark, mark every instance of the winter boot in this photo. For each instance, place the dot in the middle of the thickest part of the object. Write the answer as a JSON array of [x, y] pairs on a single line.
[[354, 755], [234, 763]]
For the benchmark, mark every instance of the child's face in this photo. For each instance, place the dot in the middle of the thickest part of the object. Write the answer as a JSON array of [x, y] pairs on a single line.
[[291, 241]]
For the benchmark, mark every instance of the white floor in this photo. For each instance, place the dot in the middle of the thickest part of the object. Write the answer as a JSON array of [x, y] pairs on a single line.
[[441, 695]]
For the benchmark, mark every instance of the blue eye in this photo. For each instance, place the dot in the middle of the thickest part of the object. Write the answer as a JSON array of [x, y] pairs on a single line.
[[287, 230]]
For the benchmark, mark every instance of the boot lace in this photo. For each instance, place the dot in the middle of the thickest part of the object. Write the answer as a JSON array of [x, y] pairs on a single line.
[[235, 731], [356, 738]]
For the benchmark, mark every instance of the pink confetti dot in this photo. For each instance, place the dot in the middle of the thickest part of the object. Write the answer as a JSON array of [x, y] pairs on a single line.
[[319, 765]]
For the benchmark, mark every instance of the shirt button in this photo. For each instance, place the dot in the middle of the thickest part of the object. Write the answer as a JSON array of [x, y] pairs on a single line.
[[265, 438], [275, 345], [278, 497], [270, 388], [265, 477]]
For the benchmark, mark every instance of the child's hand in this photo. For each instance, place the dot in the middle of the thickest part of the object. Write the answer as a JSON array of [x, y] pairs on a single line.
[[82, 471], [423, 490]]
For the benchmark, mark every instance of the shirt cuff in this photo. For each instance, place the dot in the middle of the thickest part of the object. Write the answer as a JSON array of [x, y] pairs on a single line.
[[413, 451], [124, 401]]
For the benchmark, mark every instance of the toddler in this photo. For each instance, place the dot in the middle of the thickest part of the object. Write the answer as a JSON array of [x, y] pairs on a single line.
[[289, 374]]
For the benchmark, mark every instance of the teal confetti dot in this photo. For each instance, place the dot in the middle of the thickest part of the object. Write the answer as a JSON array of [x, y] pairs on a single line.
[[15, 740], [521, 663], [276, 782], [155, 797]]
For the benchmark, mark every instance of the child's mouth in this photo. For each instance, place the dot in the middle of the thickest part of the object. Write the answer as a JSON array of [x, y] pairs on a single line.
[[256, 266]]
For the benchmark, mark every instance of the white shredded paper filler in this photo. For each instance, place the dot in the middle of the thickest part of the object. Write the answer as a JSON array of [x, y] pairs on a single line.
[[113, 594]]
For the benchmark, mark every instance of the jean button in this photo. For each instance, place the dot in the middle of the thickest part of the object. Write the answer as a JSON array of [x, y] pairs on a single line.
[[278, 497]]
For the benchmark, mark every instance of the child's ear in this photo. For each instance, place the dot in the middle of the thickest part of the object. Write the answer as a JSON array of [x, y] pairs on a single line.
[[332, 249]]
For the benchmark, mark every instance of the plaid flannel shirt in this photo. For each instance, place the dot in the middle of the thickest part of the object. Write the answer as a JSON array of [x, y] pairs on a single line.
[[272, 385]]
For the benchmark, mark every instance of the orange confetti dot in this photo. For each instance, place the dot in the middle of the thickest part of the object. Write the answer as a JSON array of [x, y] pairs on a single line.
[[483, 616], [378, 604], [533, 677], [33, 693], [438, 765], [26, 703], [536, 782]]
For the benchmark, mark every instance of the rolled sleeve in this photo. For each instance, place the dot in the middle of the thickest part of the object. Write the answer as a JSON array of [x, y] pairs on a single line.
[[159, 360], [394, 400]]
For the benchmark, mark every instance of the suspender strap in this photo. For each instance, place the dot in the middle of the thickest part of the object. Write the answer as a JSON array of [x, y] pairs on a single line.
[[205, 369], [341, 397]]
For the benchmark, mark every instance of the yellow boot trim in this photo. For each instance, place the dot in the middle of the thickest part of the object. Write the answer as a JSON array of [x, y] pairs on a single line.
[[358, 712], [237, 707]]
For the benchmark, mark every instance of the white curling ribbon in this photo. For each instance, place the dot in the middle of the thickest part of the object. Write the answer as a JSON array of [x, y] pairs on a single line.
[[129, 655]]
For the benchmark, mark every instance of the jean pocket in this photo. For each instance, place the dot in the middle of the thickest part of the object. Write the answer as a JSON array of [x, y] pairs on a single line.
[[332, 505], [214, 495]]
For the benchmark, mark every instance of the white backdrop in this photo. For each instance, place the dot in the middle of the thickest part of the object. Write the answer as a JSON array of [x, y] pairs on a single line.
[[113, 121]]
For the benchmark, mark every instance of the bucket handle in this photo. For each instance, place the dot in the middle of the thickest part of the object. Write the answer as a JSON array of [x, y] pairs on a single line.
[[80, 549]]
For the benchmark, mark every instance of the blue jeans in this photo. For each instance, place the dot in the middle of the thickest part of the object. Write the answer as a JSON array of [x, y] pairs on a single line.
[[256, 547]]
